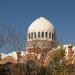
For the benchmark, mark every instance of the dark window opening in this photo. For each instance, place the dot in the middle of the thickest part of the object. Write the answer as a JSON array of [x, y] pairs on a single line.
[[46, 34], [49, 35], [42, 34], [31, 35], [52, 36], [38, 34], [34, 34]]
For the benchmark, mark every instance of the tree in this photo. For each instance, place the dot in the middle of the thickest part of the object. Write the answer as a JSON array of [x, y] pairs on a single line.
[[11, 40], [17, 40], [58, 64]]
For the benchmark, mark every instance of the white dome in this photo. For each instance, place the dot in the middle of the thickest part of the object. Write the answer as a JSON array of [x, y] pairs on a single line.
[[41, 24], [41, 31]]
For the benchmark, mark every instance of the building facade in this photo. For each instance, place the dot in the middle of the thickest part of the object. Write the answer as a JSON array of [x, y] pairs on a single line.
[[41, 39]]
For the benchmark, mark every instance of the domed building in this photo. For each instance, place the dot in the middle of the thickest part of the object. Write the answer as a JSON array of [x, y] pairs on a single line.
[[41, 36]]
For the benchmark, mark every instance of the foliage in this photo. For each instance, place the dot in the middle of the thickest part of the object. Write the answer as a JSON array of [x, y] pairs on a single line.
[[58, 54], [58, 64]]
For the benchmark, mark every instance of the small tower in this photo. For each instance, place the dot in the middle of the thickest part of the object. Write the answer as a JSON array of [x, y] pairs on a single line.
[[70, 53]]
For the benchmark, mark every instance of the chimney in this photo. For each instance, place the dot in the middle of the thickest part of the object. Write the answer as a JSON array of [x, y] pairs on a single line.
[[18, 56], [70, 53]]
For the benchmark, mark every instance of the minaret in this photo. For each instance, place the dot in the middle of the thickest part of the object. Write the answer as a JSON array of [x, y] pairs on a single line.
[[70, 54]]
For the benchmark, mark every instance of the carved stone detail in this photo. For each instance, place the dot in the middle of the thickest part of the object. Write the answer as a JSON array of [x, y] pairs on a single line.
[[39, 44]]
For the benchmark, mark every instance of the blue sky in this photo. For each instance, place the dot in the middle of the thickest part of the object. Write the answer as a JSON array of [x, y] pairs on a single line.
[[21, 13]]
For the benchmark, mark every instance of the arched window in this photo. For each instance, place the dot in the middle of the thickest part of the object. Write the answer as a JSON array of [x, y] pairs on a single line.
[[38, 34], [31, 35], [49, 35], [34, 34], [46, 34], [42, 34], [30, 66]]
